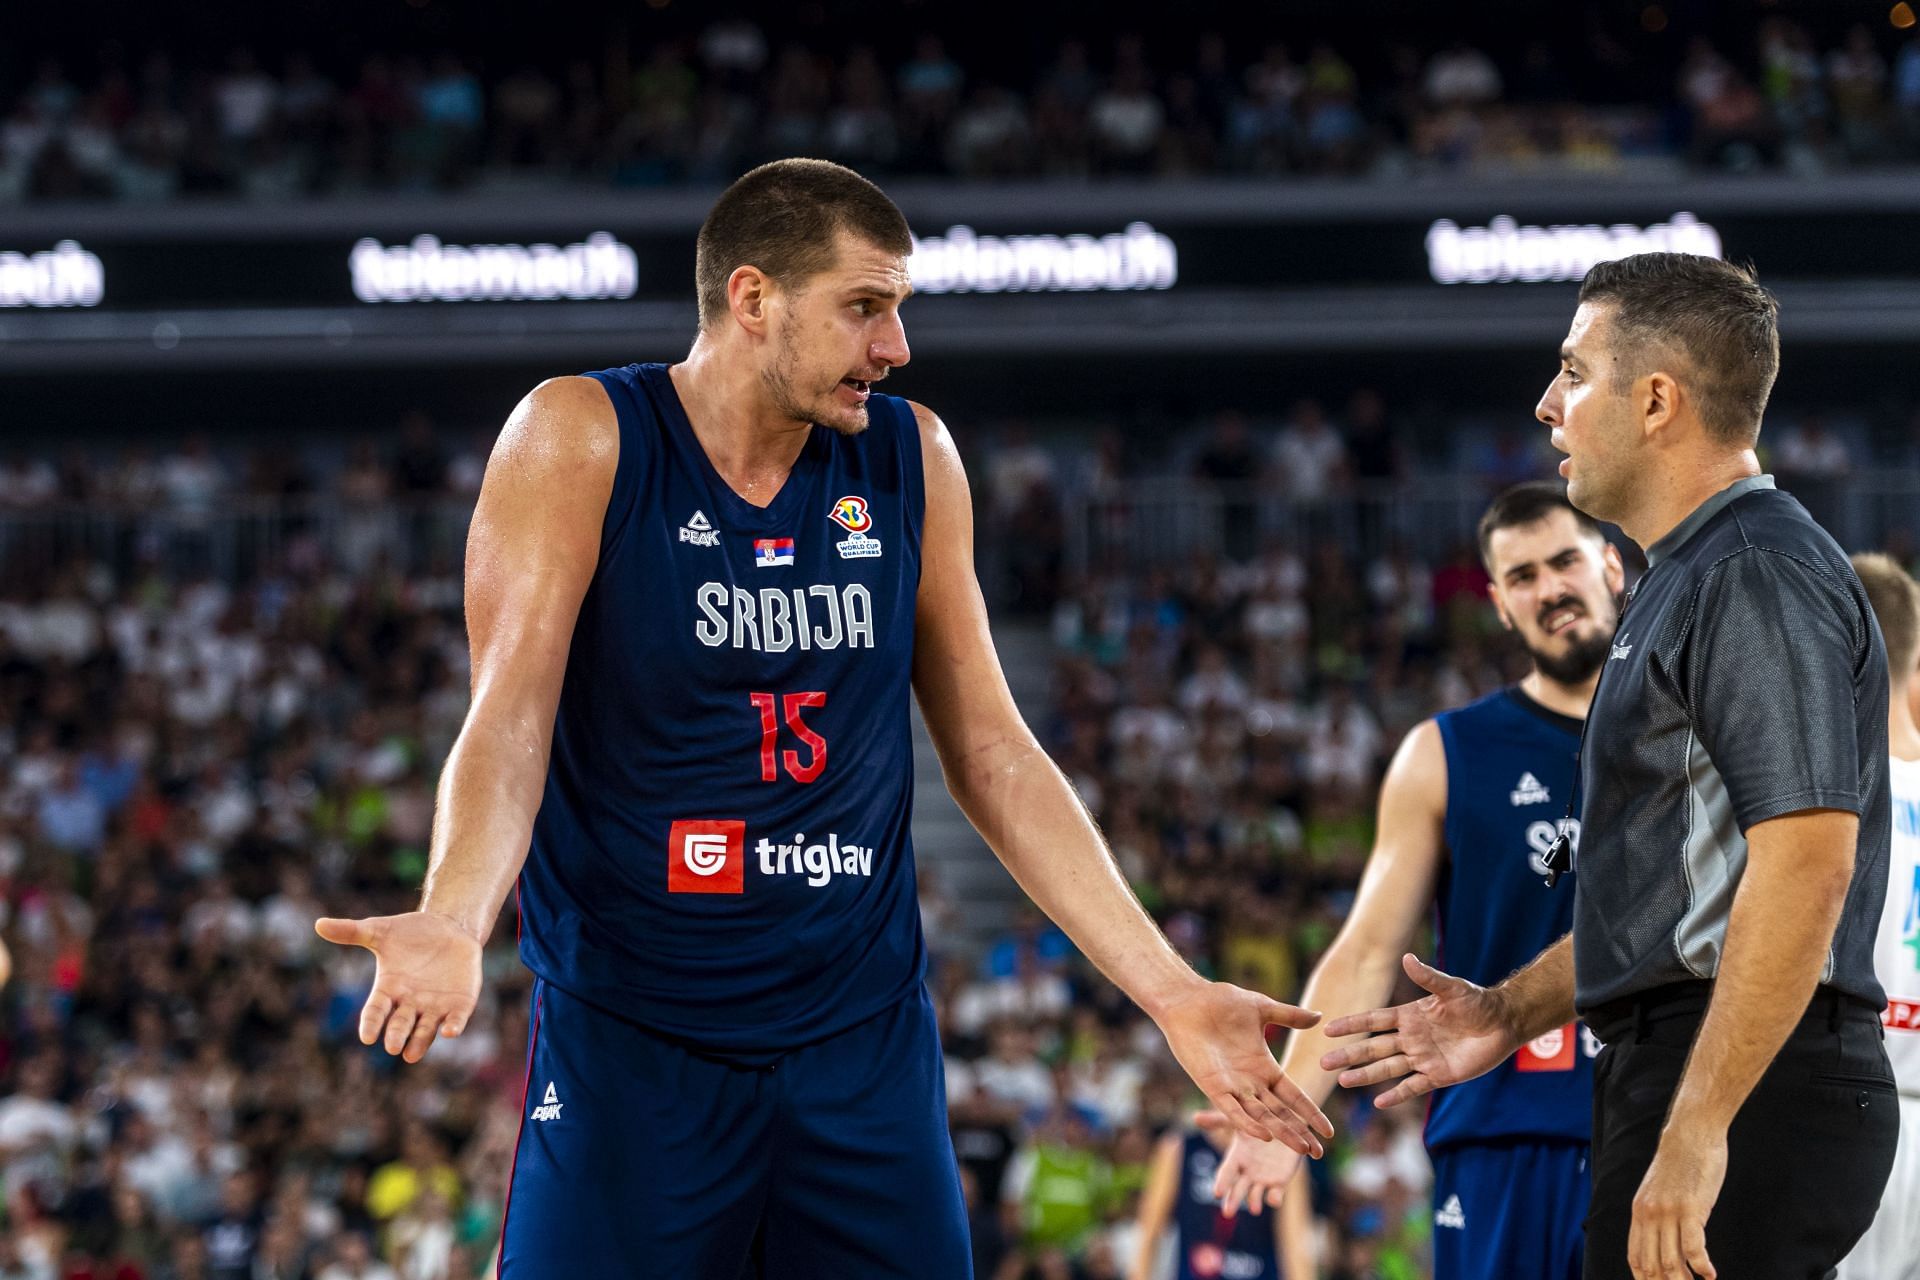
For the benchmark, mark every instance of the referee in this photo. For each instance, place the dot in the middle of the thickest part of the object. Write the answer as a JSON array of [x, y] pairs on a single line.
[[1734, 822]]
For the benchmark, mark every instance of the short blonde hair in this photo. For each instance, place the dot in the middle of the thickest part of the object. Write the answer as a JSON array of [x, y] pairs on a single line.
[[1896, 605]]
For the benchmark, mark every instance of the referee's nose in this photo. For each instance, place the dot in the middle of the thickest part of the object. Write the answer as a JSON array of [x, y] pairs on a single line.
[[1548, 409]]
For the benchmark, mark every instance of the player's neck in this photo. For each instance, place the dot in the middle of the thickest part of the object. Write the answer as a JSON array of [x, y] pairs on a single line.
[[1566, 699], [748, 440], [1687, 482], [1903, 736]]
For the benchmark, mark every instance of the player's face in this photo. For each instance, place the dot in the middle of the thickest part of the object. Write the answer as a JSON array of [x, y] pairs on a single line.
[[1592, 424], [1555, 584], [837, 334]]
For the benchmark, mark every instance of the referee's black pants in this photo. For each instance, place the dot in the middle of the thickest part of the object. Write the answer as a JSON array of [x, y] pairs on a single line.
[[1807, 1156]]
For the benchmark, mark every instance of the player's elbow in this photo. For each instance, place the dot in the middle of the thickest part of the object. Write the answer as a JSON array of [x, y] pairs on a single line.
[[988, 770]]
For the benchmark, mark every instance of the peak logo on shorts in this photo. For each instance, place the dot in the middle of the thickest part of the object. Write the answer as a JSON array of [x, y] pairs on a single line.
[[707, 855]]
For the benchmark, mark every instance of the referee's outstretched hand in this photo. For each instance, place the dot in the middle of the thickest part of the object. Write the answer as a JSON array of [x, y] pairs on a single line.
[[426, 978], [1458, 1032]]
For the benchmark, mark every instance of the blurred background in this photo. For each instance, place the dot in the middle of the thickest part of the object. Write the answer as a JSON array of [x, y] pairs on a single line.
[[1238, 314]]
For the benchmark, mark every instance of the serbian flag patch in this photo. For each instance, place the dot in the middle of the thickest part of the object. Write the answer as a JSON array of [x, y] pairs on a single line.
[[768, 552]]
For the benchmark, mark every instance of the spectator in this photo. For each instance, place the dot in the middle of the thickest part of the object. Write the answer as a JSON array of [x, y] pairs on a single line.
[[1309, 458], [1462, 75], [353, 1260], [1127, 120]]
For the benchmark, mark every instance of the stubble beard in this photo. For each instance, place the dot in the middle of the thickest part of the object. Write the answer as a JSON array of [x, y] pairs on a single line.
[[780, 379]]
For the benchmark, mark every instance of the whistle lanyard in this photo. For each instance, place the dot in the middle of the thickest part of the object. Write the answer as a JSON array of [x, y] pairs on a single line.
[[1560, 852]]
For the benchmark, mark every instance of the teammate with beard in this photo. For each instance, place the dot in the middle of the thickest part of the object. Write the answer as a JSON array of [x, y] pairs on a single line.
[[1471, 803], [700, 600]]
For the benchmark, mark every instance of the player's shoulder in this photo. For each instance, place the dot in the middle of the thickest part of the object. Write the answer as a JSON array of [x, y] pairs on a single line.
[[565, 426], [945, 474], [933, 431], [1419, 766], [581, 399]]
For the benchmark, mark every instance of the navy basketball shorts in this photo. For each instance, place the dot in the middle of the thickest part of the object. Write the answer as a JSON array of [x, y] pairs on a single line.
[[640, 1158], [1510, 1208]]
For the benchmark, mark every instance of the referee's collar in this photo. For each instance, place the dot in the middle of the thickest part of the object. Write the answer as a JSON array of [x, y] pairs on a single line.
[[1701, 514]]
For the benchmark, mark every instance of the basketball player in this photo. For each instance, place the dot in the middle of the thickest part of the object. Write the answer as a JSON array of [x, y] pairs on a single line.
[[1208, 1242], [1891, 1248], [1468, 810], [699, 597]]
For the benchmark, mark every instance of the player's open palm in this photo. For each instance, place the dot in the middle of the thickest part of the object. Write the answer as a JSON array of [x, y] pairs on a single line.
[[1254, 1174], [426, 978], [1457, 1032], [1220, 1038]]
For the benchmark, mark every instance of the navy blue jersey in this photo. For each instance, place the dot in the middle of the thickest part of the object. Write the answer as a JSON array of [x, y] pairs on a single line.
[[1510, 763], [1208, 1245], [723, 854]]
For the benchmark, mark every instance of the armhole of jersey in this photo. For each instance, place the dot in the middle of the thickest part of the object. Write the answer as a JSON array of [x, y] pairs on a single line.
[[913, 476], [1444, 723], [624, 395]]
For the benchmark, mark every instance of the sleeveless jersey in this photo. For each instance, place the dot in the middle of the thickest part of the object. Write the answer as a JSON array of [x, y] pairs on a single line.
[[722, 854], [1896, 952], [1510, 766], [1209, 1245]]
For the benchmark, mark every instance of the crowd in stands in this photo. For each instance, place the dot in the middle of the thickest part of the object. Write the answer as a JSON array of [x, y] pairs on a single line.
[[703, 106], [199, 755]]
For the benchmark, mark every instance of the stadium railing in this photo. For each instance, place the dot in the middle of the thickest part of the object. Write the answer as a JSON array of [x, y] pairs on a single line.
[[1170, 521]]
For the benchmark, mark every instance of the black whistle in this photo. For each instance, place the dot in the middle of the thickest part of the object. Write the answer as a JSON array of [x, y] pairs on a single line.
[[1559, 858]]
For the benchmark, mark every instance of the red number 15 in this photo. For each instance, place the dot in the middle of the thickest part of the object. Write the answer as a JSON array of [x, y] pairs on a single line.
[[770, 731]]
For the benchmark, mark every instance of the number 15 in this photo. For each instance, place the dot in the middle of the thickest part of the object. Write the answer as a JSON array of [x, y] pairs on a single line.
[[789, 707]]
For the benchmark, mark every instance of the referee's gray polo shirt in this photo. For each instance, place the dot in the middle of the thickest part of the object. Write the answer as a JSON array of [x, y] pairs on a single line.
[[1748, 680]]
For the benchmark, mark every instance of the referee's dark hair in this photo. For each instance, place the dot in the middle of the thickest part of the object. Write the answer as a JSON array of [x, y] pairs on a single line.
[[781, 218], [1714, 314], [1895, 598], [1529, 503]]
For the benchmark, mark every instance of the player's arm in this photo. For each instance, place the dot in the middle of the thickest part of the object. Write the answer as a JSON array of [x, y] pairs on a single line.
[[1156, 1204], [1361, 967], [531, 552], [1293, 1238], [1024, 808]]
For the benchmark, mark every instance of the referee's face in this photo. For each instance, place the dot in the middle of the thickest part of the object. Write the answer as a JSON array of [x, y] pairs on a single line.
[[1592, 423]]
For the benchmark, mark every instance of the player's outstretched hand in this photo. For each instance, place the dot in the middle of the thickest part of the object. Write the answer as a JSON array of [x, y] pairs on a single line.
[[1252, 1173], [1458, 1032], [1219, 1035], [426, 978]]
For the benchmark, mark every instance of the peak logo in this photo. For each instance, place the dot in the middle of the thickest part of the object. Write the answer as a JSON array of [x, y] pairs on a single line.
[[699, 531], [851, 514], [707, 855]]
